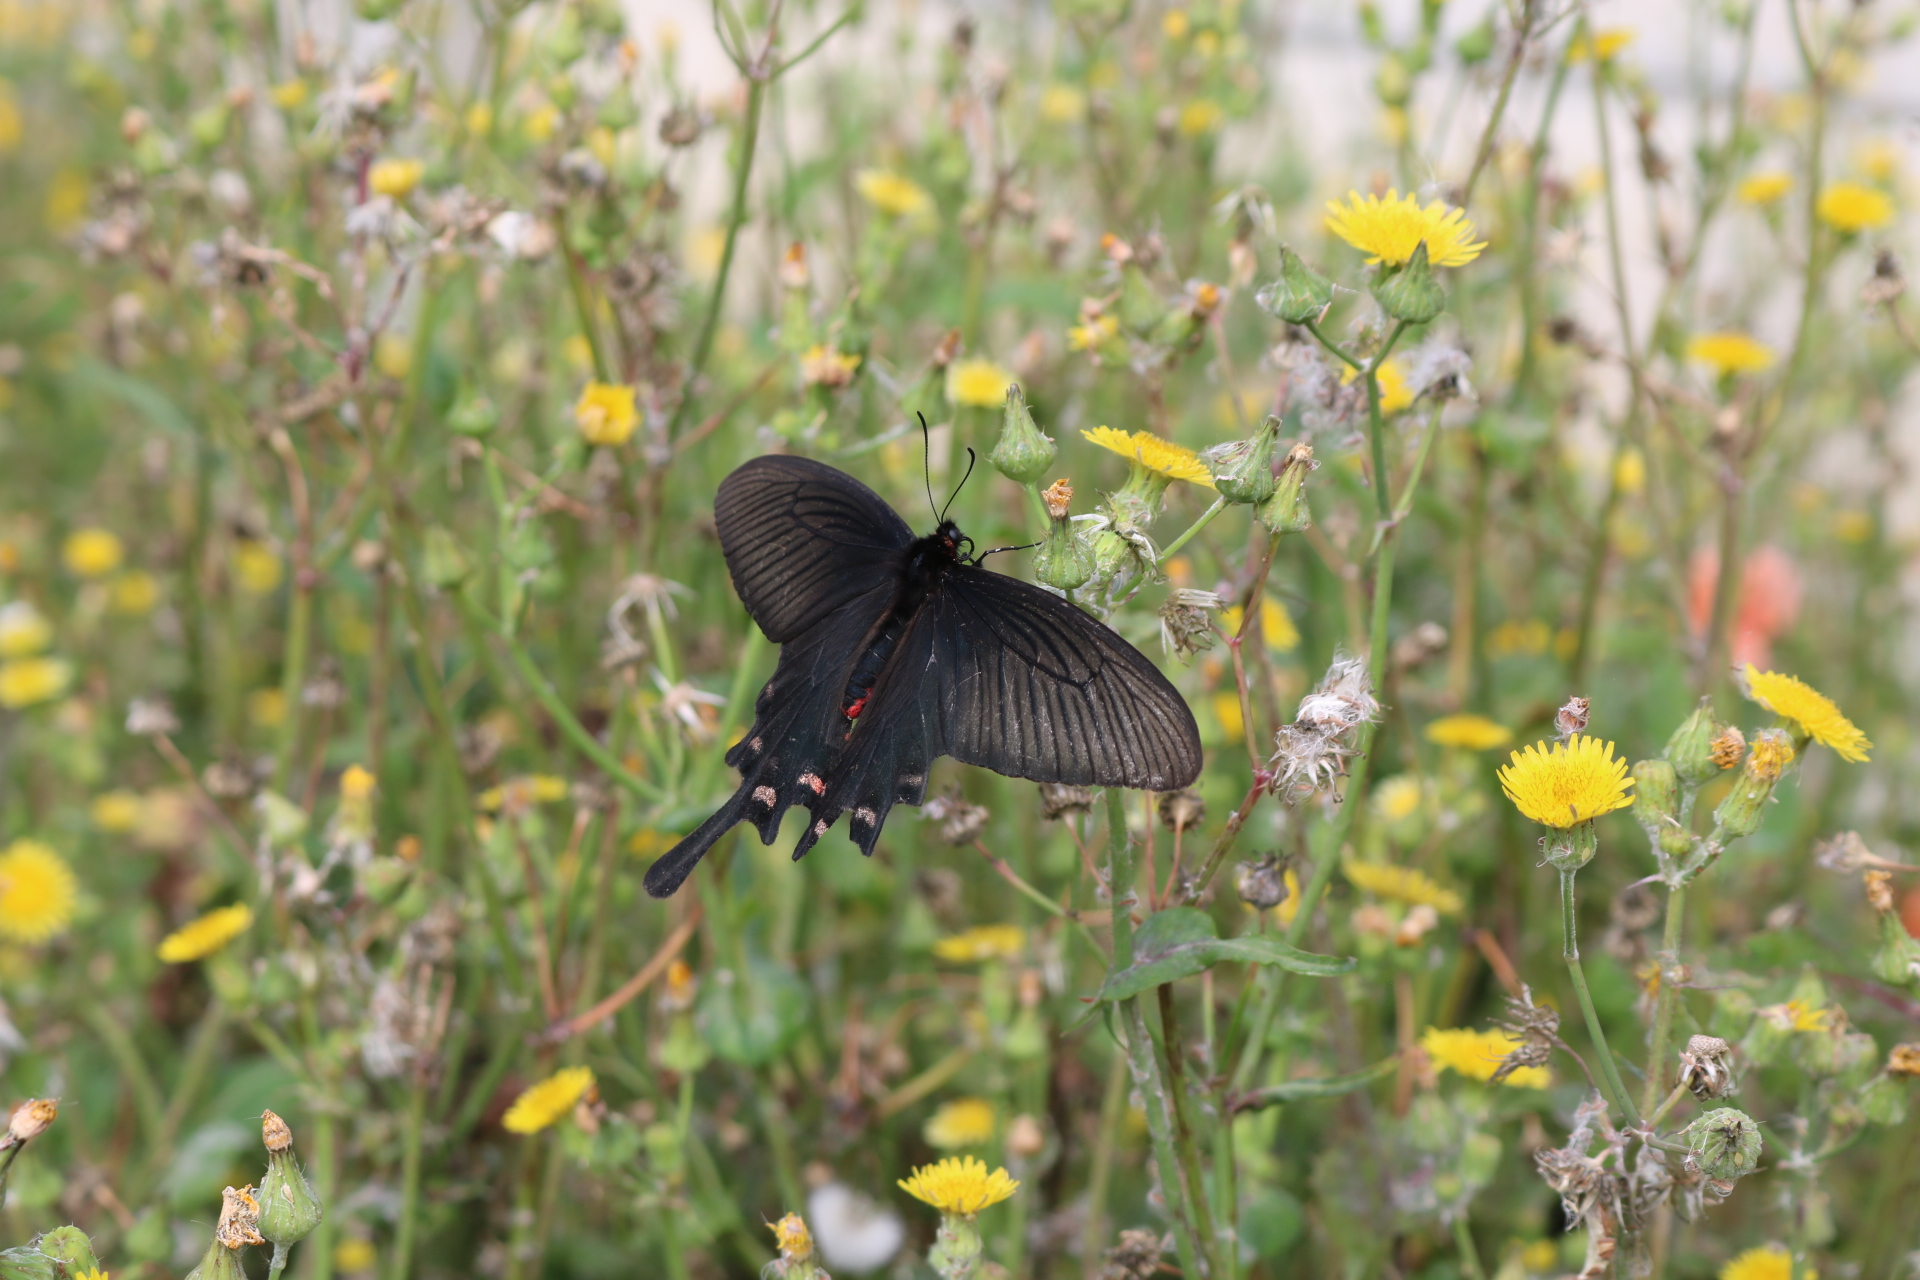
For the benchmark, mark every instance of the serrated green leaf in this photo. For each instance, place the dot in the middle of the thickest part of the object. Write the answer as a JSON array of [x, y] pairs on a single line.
[[1256, 948]]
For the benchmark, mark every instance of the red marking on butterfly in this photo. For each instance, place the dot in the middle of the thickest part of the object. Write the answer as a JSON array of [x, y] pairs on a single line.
[[859, 705]]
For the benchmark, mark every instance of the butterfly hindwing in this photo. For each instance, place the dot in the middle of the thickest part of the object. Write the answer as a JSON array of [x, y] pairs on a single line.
[[1034, 688], [802, 539]]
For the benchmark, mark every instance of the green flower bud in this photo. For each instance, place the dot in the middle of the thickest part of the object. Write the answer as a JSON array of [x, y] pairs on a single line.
[[1287, 511], [1897, 962], [956, 1248], [1300, 295], [384, 879], [1066, 560], [218, 1263], [1411, 293], [1724, 1144], [71, 1251], [1243, 470], [1690, 749], [1476, 45], [1741, 813], [441, 559], [289, 1209], [209, 125], [474, 416], [1024, 452], [1656, 796], [1140, 308], [1884, 1100]]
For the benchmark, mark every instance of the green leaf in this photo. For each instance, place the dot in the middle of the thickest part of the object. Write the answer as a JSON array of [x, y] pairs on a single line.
[[1258, 948], [1319, 1087], [1181, 941]]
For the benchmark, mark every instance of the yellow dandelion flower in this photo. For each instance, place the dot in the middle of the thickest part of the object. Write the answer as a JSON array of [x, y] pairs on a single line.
[[1769, 1262], [1764, 188], [1851, 207], [1395, 395], [1093, 333], [1151, 453], [1602, 46], [981, 383], [892, 194], [983, 942], [116, 812], [92, 553], [1226, 710], [539, 123], [959, 1185], [1630, 471], [1471, 732], [1728, 353], [1062, 104], [963, 1122], [290, 95], [1802, 1016], [1175, 24], [1289, 907], [1813, 711], [37, 892], [24, 630], [823, 366], [517, 795], [550, 1100], [1201, 116], [478, 119], [93, 1273], [1573, 782], [1772, 753], [791, 1237], [26, 682], [1477, 1054], [267, 708], [1398, 798], [1878, 158], [393, 355], [257, 567], [354, 1255], [1402, 884], [1389, 230], [1540, 1255], [134, 594], [396, 178], [606, 413], [201, 938], [1276, 625]]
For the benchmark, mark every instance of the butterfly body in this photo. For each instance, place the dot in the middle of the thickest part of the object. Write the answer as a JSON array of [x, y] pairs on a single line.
[[897, 650]]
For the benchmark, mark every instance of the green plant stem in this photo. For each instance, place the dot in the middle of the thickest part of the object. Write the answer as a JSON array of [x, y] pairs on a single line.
[[186, 1089], [1469, 1256], [1138, 1043], [1206, 518], [743, 169], [293, 672], [404, 1231], [147, 1102], [318, 1262], [1186, 1149], [1672, 1100], [1669, 960], [1106, 1142], [1570, 952]]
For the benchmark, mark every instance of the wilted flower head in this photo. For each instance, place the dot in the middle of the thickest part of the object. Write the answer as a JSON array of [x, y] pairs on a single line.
[[960, 822], [1057, 799], [1572, 717], [151, 717], [239, 1218], [31, 1119], [1185, 628], [1314, 749], [1706, 1067]]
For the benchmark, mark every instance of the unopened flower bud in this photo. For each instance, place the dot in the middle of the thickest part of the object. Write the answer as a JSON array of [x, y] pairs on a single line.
[[1300, 295], [1024, 452], [1691, 748], [69, 1249], [31, 1119], [1879, 890], [797, 1260], [289, 1208], [474, 416], [794, 275], [1741, 812], [1287, 511], [1724, 1144], [1883, 1100], [1182, 809], [1571, 848], [1243, 470], [1065, 560], [1140, 309], [1897, 962], [1411, 294], [1706, 1067], [1656, 796]]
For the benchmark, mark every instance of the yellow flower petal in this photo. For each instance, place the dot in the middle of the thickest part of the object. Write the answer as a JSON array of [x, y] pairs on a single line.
[[38, 892], [1389, 230], [1572, 782], [1813, 711], [1476, 1055], [1474, 733], [1162, 457], [201, 938], [959, 1185], [551, 1100]]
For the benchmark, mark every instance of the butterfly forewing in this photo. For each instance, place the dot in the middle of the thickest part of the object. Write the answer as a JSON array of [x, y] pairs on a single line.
[[802, 539]]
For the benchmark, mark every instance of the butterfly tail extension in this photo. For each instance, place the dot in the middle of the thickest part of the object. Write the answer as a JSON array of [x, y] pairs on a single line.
[[671, 870]]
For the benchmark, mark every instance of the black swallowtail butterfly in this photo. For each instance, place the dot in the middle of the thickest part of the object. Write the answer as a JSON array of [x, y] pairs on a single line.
[[897, 650]]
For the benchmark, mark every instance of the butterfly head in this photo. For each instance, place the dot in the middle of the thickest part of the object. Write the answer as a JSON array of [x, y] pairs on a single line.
[[953, 542]]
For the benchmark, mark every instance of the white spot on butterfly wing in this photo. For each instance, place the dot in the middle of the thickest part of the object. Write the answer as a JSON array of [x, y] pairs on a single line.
[[865, 816], [813, 783], [820, 827], [765, 796]]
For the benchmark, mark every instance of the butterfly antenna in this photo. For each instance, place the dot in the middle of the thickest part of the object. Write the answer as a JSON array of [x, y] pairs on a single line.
[[926, 464], [971, 459], [997, 550]]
